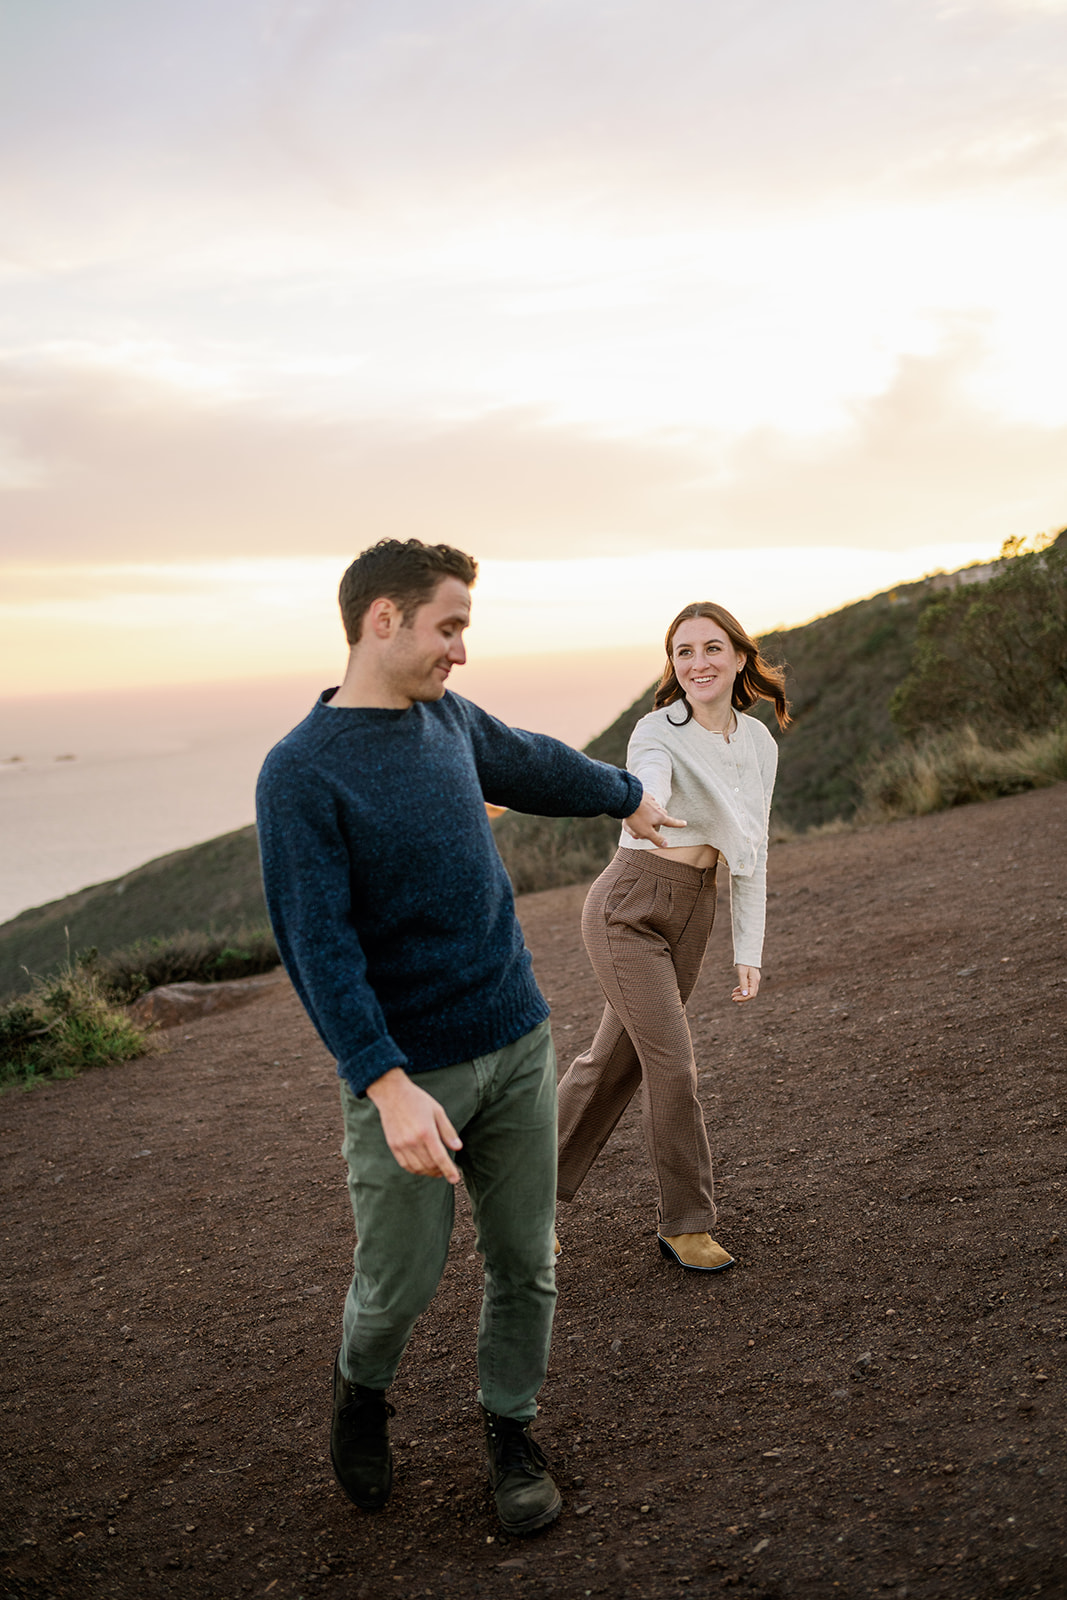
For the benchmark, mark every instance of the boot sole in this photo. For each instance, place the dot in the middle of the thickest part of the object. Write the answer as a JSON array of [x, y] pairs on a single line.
[[378, 1503]]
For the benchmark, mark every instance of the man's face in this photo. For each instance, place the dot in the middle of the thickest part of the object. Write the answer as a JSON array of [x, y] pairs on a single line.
[[424, 649]]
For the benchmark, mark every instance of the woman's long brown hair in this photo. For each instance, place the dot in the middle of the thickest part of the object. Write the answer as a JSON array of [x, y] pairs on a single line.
[[757, 680]]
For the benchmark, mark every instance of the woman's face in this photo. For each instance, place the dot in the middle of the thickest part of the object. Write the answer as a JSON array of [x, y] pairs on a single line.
[[705, 663]]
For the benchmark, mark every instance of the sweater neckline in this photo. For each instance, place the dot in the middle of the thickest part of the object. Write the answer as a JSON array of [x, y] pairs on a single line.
[[324, 707]]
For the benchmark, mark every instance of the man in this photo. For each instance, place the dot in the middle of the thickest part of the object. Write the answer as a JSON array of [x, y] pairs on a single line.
[[394, 917]]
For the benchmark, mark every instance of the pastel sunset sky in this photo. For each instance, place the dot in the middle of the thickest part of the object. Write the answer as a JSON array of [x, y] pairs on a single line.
[[640, 301]]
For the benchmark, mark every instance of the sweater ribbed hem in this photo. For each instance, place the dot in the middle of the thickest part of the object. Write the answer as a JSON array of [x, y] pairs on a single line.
[[452, 1042]]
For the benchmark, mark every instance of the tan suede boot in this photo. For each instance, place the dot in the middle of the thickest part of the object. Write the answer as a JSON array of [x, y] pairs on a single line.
[[696, 1251]]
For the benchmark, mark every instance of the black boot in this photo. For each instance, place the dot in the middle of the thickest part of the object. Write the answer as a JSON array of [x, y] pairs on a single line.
[[359, 1442], [526, 1498]]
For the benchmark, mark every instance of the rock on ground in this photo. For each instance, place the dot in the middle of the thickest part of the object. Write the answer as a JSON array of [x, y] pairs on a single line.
[[170, 1005]]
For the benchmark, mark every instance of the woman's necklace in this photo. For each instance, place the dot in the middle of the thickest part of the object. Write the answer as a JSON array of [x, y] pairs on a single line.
[[726, 733]]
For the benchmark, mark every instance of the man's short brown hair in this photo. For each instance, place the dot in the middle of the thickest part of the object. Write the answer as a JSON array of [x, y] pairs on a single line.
[[405, 571]]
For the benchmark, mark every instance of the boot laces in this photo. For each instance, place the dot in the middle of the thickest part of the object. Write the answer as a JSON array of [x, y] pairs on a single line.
[[515, 1450], [366, 1412]]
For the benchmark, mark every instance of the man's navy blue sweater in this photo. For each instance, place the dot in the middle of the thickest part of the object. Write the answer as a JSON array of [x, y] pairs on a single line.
[[392, 910]]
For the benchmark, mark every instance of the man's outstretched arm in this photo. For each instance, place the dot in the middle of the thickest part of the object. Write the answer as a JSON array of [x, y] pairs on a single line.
[[535, 773]]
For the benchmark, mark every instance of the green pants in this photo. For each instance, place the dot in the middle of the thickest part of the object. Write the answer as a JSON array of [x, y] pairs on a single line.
[[503, 1106]]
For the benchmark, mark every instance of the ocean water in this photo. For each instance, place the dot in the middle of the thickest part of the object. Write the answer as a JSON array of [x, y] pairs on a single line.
[[92, 785]]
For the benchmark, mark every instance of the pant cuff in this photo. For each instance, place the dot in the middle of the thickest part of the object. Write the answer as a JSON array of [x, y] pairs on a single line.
[[692, 1224]]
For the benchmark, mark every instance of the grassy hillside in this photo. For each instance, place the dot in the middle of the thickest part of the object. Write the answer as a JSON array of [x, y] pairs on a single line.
[[841, 671], [212, 885]]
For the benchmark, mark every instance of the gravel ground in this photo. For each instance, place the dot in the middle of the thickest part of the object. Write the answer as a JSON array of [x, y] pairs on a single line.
[[871, 1403]]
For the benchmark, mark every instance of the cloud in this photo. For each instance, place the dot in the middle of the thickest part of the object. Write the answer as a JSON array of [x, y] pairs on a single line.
[[112, 469], [218, 121], [922, 461], [109, 468], [583, 101]]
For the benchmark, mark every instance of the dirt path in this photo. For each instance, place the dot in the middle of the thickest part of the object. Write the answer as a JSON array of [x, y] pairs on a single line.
[[871, 1404]]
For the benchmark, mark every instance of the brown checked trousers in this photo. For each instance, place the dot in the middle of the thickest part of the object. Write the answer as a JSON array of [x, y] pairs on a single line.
[[646, 924]]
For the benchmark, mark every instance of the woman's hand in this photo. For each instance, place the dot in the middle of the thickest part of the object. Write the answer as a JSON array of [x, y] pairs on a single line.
[[747, 984], [650, 816]]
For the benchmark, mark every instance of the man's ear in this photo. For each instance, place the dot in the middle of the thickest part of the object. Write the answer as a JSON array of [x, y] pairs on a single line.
[[382, 618]]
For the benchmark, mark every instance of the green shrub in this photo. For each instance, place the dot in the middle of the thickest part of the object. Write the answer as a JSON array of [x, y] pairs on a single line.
[[992, 655], [953, 769], [186, 957], [63, 1025]]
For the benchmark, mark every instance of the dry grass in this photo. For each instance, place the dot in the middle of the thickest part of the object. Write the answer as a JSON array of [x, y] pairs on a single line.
[[954, 769], [549, 852], [835, 825]]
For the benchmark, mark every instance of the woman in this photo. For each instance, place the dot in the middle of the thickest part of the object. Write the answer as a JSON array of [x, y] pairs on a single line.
[[648, 916]]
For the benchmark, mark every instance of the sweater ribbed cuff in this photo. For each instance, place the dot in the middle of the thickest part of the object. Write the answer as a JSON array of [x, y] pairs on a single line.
[[635, 794], [363, 1068]]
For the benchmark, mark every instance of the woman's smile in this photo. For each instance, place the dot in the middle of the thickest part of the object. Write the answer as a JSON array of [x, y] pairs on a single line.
[[705, 663]]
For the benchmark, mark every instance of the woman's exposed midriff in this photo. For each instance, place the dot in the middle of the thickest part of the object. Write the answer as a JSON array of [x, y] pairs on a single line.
[[693, 855]]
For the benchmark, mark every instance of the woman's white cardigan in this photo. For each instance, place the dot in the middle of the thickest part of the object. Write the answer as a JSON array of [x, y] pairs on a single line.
[[722, 790]]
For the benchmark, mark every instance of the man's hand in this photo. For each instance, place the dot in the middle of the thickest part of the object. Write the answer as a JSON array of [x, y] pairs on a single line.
[[415, 1126], [649, 816], [747, 984]]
